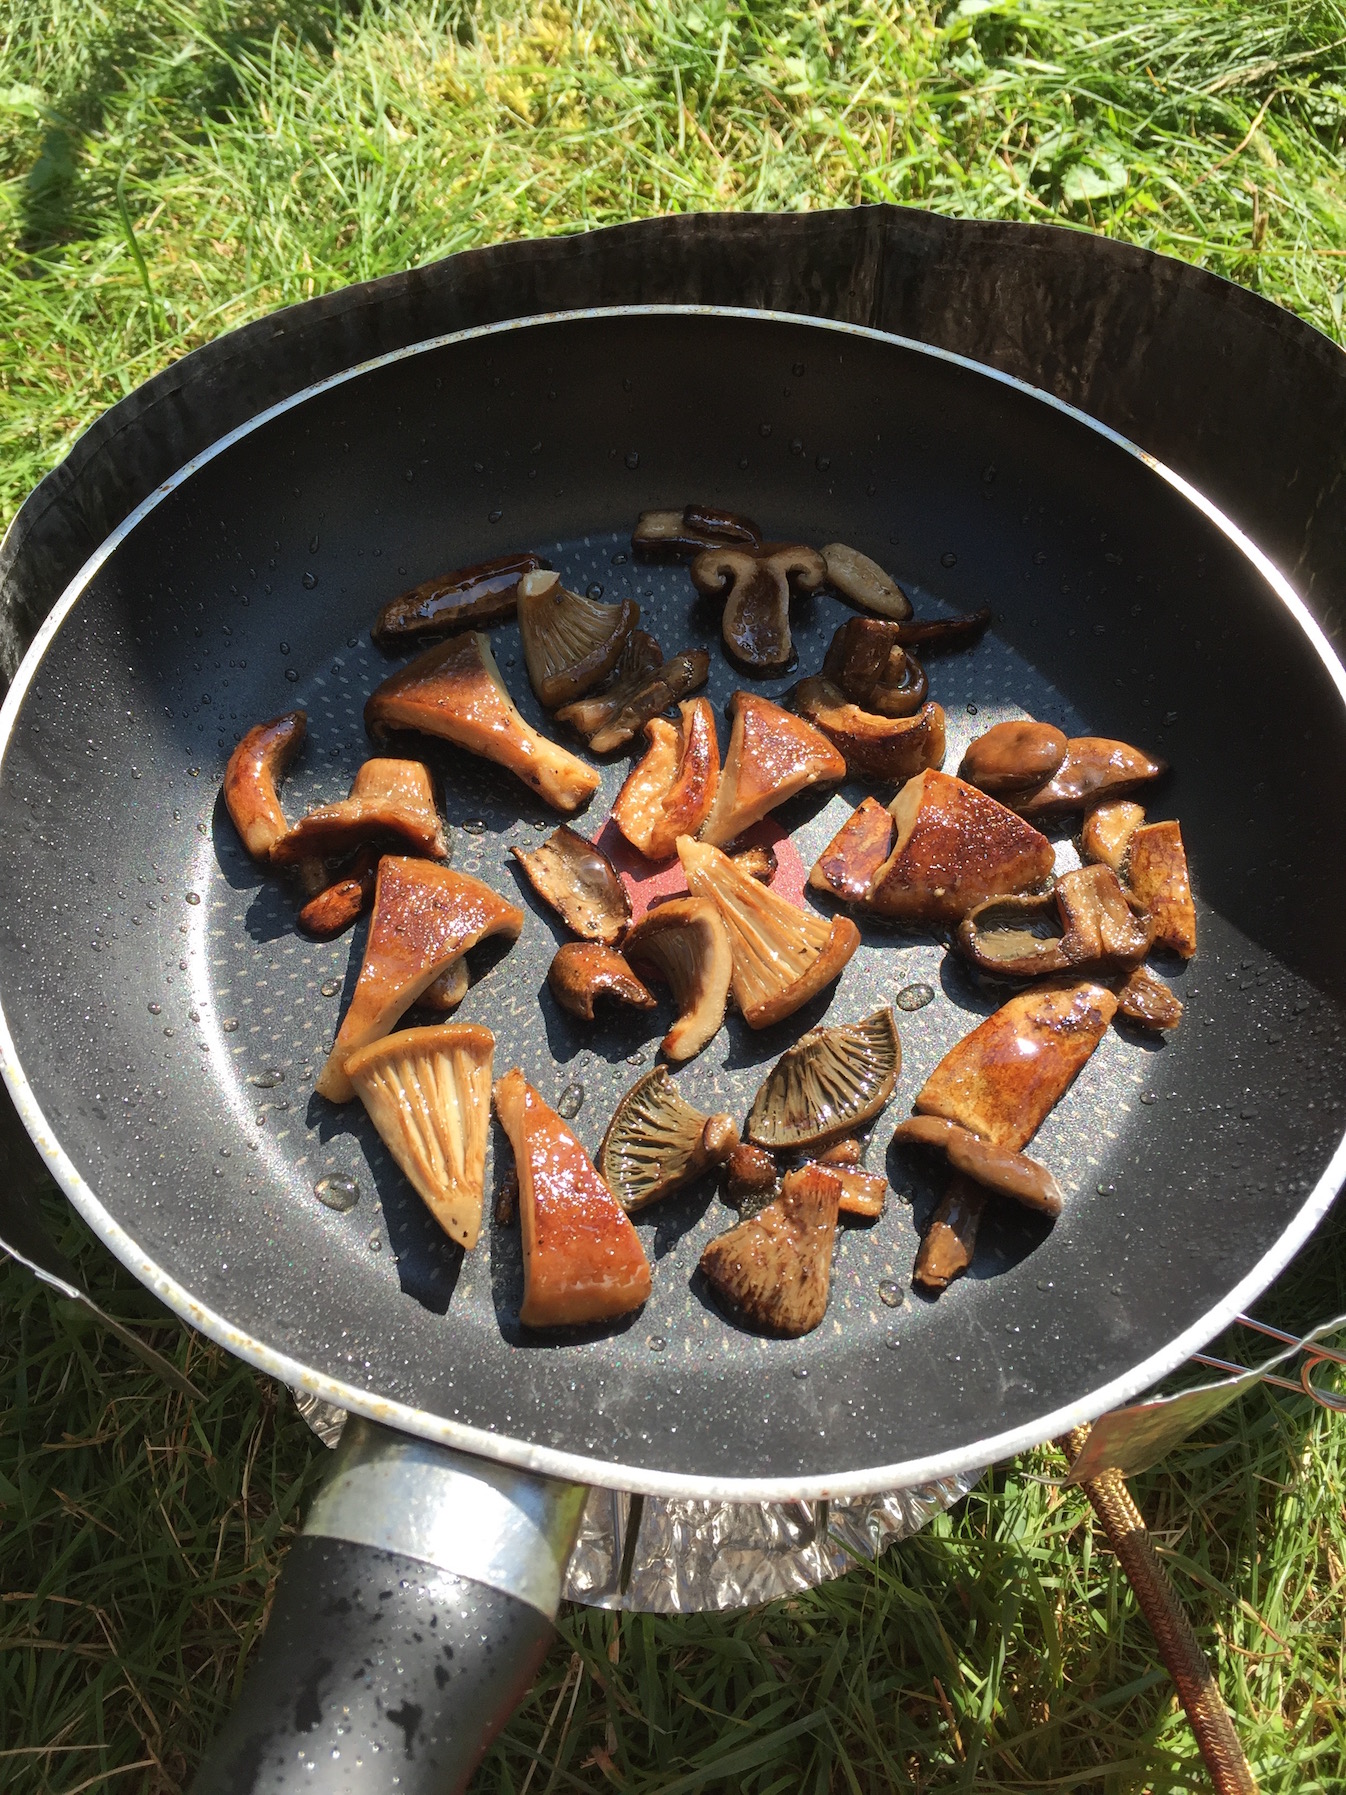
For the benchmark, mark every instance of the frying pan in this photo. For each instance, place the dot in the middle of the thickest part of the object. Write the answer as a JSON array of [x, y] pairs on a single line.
[[162, 1022]]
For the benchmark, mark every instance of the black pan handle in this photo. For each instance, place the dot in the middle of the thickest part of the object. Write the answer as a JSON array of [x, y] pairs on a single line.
[[408, 1622]]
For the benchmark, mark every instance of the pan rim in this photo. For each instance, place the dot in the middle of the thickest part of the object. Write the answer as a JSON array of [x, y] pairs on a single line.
[[550, 1461]]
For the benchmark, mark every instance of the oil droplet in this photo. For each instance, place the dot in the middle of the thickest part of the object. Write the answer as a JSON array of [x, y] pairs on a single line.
[[890, 1294], [313, 545], [972, 710], [156, 1009], [330, 987], [892, 1341], [193, 772], [229, 1026], [1148, 1097], [292, 676], [1040, 557], [915, 997], [620, 560], [1106, 1190], [798, 370], [656, 1343], [570, 1102], [948, 559], [1045, 1284], [476, 825], [801, 1371], [633, 460], [285, 648], [493, 517], [823, 463], [193, 1015], [267, 1080], [193, 897], [635, 1059], [337, 1193], [375, 1243], [1170, 717], [201, 829], [594, 591], [796, 446], [309, 581], [170, 1032], [764, 430]]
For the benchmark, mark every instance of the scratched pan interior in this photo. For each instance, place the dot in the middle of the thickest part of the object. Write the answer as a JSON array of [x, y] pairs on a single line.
[[167, 1021]]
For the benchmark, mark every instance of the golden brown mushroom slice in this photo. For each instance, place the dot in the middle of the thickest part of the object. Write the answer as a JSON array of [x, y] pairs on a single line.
[[995, 1168], [455, 691], [580, 883], [954, 847], [1014, 759], [388, 798], [255, 768], [759, 862], [656, 1142], [1086, 921], [1095, 768], [775, 1270], [867, 660], [772, 756], [782, 955], [669, 792], [864, 582], [582, 1259], [425, 917], [1107, 832], [1145, 998], [1160, 882], [756, 587], [873, 746], [428, 1092], [862, 1193], [686, 941], [849, 864], [949, 1242], [582, 971], [339, 904], [468, 598], [570, 641], [1003, 1080], [831, 1082]]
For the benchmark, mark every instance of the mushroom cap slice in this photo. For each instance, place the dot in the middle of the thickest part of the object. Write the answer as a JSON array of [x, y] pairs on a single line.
[[1014, 758], [1106, 835], [848, 865], [1087, 920], [756, 585], [995, 1168], [1160, 883], [867, 660], [955, 847], [873, 746], [570, 641], [685, 939], [582, 1259], [467, 598], [584, 970], [951, 1239], [864, 582], [250, 779], [833, 1080], [670, 790], [388, 797], [782, 955], [580, 883], [425, 917], [640, 657], [455, 691], [428, 1092], [656, 1142], [772, 756], [1146, 999], [1095, 768], [687, 670], [670, 535], [1003, 1080], [776, 1269]]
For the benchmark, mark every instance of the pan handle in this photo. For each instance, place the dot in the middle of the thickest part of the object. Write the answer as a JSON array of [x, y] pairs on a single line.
[[410, 1617]]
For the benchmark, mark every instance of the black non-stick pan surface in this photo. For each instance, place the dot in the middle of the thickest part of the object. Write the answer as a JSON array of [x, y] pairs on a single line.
[[164, 1022]]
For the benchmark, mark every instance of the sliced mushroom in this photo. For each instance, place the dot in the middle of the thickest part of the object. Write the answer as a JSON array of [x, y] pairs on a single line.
[[673, 535], [772, 756], [669, 792], [831, 1082], [1019, 937], [641, 657], [951, 1239], [753, 1179], [759, 863], [455, 691], [1160, 882], [756, 589], [995, 1168], [1107, 832], [782, 955], [582, 1259], [468, 598], [862, 1193], [954, 847], [940, 635], [1146, 999], [255, 769], [776, 1269], [665, 686], [425, 917], [873, 747], [1003, 1080], [388, 798], [570, 642], [686, 941], [1086, 921], [337, 906], [656, 1142], [849, 864], [867, 661], [1094, 769], [447, 991], [580, 883], [584, 970], [1012, 760], [864, 582], [428, 1092]]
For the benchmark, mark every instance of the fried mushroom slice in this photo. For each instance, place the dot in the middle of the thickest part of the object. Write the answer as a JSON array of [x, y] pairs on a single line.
[[756, 588], [580, 883], [1145, 998], [873, 747], [775, 1270], [866, 659], [387, 798], [582, 1259], [687, 670], [570, 642], [831, 1082], [674, 535], [951, 1239], [1095, 768], [759, 863], [753, 1179], [954, 847], [686, 941], [468, 598], [849, 864], [995, 1168], [425, 918], [584, 970], [862, 1193], [428, 1092], [640, 657], [1160, 883], [772, 756], [941, 635], [255, 768], [864, 582], [1086, 921], [656, 1142], [1107, 832], [670, 790], [782, 955], [1013, 759], [455, 691], [447, 991]]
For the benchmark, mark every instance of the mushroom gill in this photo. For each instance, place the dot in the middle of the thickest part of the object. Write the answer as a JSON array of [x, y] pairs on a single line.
[[685, 940], [775, 1270], [873, 746], [1086, 921], [772, 756], [570, 641], [255, 768], [831, 1082], [580, 883], [670, 790], [656, 1142], [388, 798], [640, 657], [467, 598], [756, 587], [582, 971]]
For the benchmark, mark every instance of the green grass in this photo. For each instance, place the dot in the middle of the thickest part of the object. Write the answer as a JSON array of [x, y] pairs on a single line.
[[170, 170]]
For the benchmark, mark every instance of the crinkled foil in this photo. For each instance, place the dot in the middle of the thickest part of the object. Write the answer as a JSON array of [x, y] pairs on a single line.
[[657, 1555]]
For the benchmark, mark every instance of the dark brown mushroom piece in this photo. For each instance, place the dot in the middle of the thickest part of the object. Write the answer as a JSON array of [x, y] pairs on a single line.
[[866, 659], [759, 863], [849, 864], [1146, 999], [580, 883], [944, 635], [612, 719], [864, 582], [582, 971], [676, 535], [1095, 768], [391, 800], [344, 901], [995, 1168], [255, 769], [756, 588], [686, 942], [1012, 760], [468, 598], [657, 1142], [753, 1179], [831, 1082], [951, 1239], [874, 747], [775, 1270], [570, 641], [638, 659], [1086, 921]]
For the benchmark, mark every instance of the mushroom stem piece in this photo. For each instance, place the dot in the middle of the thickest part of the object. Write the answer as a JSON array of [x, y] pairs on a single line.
[[831, 1082], [669, 792], [776, 1269], [874, 747], [338, 905], [1014, 759], [580, 883], [1160, 882], [862, 1193], [772, 756], [656, 1142], [673, 535], [864, 582], [756, 588], [584, 970], [685, 939], [641, 657], [997, 1168], [255, 767], [866, 659], [467, 598], [951, 1238], [570, 642], [1095, 768], [388, 798]]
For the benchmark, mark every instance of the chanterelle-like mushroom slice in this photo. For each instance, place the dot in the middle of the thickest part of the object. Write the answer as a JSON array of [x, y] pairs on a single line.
[[584, 970], [255, 768], [673, 535], [1085, 921], [756, 588], [455, 691], [570, 641], [580, 883], [831, 1082], [866, 659], [1145, 998], [772, 756], [467, 598], [864, 582], [873, 747], [1160, 882], [656, 1142], [686, 940], [582, 1259], [1002, 1080], [1106, 835], [388, 798], [428, 1092], [670, 790], [1095, 768], [776, 1269], [782, 955], [995, 1168], [425, 917], [1011, 760], [849, 864]]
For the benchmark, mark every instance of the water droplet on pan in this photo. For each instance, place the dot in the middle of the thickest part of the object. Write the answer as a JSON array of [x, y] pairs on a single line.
[[890, 1294], [948, 559], [337, 1192], [570, 1102], [309, 581], [330, 987], [156, 1009], [268, 1079], [656, 1343], [633, 459], [475, 825], [915, 997]]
